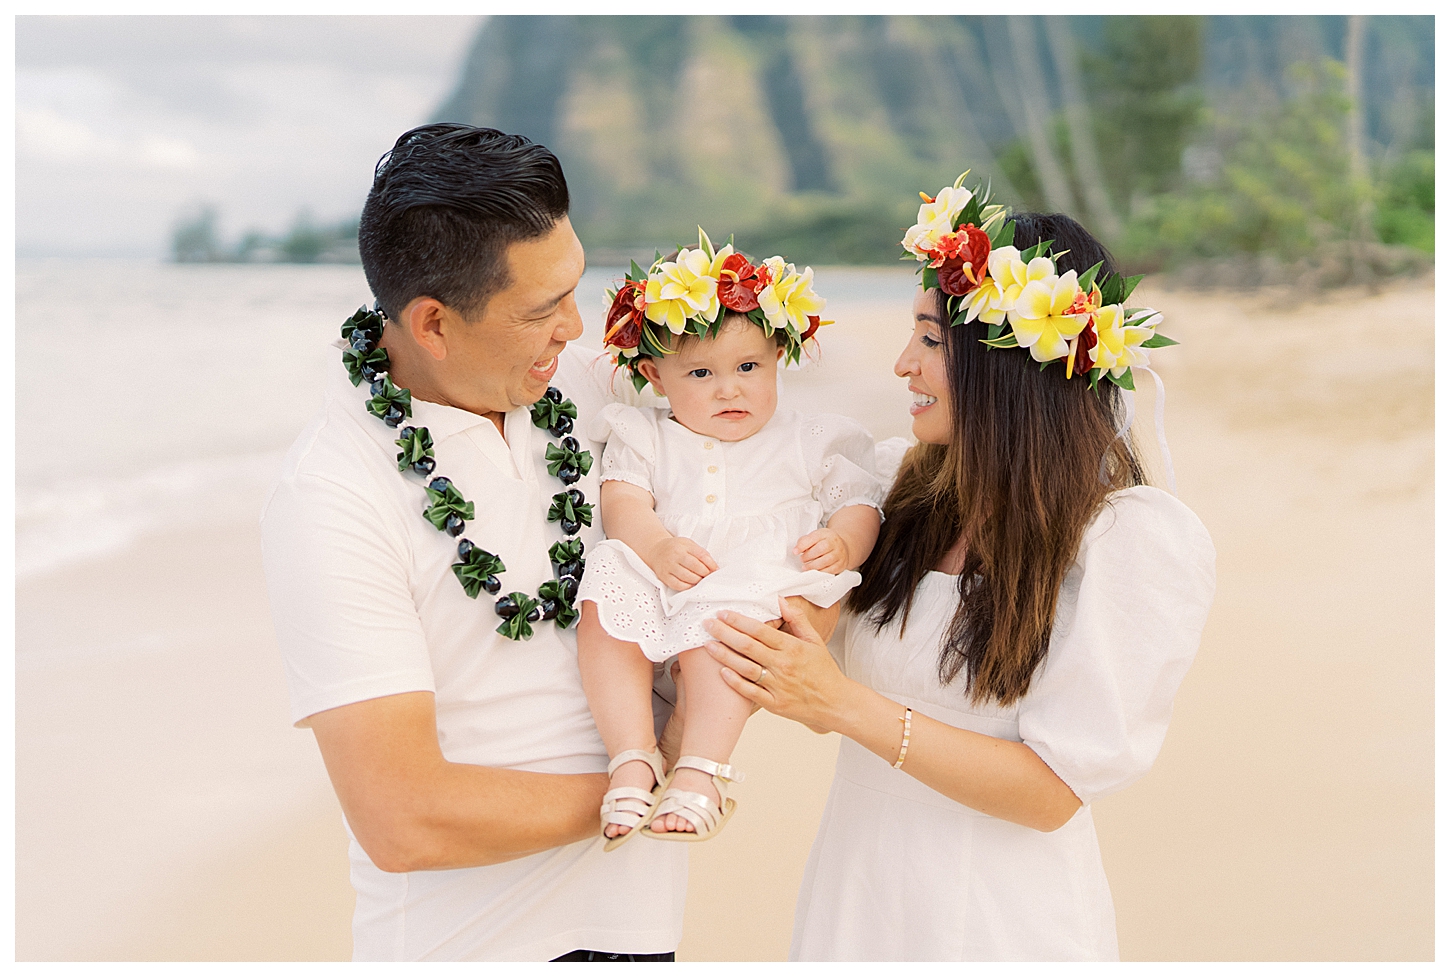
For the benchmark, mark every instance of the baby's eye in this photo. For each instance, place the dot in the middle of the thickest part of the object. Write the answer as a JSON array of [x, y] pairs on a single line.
[[702, 373], [747, 367], [930, 343]]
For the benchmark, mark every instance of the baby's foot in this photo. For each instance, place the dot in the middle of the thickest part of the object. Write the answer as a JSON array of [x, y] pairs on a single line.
[[695, 782], [634, 773]]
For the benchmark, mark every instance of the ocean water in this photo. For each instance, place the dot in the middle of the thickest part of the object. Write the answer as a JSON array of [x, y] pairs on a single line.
[[152, 396]]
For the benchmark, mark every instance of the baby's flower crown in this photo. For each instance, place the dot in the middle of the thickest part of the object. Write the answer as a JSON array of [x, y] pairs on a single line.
[[696, 290], [966, 244]]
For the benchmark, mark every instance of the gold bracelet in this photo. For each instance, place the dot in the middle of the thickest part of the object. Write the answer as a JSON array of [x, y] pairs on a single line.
[[905, 739]]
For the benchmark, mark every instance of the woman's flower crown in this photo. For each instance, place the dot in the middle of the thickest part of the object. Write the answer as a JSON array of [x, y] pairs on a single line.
[[965, 244], [694, 292]]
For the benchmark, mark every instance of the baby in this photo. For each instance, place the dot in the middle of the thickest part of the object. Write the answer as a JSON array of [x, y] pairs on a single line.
[[718, 502]]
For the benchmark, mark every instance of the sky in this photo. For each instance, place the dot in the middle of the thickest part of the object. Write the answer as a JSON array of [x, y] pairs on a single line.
[[124, 125]]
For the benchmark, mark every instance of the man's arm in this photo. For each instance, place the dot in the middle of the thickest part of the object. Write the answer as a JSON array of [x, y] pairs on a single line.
[[411, 809]]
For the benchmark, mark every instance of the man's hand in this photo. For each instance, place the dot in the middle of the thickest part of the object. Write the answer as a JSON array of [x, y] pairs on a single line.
[[824, 549], [679, 562]]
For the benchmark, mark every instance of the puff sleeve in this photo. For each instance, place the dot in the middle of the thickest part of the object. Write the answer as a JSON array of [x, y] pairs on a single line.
[[1129, 618], [841, 458], [632, 434]]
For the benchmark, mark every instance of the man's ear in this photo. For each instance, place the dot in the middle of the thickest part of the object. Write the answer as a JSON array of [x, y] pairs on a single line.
[[651, 372], [426, 320]]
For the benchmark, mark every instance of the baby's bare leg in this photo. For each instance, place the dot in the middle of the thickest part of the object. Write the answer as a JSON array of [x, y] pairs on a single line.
[[618, 681], [713, 724]]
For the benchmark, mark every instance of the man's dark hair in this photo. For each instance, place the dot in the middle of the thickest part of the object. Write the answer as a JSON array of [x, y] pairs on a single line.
[[446, 203]]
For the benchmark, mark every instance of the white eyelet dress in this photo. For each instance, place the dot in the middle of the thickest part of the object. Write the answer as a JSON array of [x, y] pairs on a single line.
[[901, 872], [746, 502]]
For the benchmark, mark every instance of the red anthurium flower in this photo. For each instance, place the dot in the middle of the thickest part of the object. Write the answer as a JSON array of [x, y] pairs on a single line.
[[952, 278], [738, 284], [1082, 357], [815, 323], [625, 318], [974, 250]]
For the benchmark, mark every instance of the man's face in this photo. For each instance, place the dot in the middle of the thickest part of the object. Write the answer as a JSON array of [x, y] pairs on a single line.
[[505, 357]]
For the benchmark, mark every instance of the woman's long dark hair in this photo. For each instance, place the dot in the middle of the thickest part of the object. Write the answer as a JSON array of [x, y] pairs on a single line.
[[1032, 456]]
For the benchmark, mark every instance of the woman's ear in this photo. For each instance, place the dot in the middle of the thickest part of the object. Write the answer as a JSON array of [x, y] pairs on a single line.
[[650, 372]]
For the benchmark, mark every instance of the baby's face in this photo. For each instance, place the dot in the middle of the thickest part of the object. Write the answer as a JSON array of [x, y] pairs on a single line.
[[723, 388]]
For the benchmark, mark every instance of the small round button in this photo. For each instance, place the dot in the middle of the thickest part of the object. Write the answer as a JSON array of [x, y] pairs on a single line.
[[709, 498], [709, 445], [712, 469]]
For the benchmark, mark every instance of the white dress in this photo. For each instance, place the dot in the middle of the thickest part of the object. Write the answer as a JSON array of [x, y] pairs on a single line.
[[747, 502], [901, 872]]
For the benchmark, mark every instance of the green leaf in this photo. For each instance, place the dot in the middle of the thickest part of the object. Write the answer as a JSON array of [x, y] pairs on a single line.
[[1129, 284], [1112, 289], [569, 549], [636, 273], [1036, 251], [517, 628], [362, 319], [1004, 234], [1004, 342], [1156, 340], [1125, 381], [928, 277], [416, 446], [995, 329], [638, 381], [354, 360], [567, 615], [1086, 280], [391, 396]]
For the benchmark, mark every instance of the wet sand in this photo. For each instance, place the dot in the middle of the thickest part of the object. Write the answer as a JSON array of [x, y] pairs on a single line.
[[165, 809]]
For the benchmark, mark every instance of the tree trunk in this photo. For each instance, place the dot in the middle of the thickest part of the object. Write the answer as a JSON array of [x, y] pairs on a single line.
[[1032, 88], [1079, 129]]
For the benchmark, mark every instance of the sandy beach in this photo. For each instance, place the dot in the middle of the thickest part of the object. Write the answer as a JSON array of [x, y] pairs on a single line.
[[166, 810]]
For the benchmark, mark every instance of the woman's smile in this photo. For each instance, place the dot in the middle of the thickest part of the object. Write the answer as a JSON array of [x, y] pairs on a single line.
[[920, 402]]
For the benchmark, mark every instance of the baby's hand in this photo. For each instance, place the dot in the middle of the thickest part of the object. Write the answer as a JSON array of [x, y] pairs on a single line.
[[824, 549], [680, 562]]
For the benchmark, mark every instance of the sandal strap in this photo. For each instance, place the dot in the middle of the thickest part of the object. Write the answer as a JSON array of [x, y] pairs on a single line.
[[697, 809], [625, 806], [722, 771], [653, 757]]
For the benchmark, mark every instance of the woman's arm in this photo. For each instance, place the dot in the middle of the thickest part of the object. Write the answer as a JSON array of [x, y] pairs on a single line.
[[629, 516], [801, 681]]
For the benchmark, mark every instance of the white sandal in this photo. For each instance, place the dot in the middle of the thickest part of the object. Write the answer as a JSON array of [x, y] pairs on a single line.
[[702, 813], [629, 806]]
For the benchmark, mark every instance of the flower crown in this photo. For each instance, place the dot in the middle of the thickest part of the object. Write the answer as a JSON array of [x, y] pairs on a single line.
[[966, 244], [696, 290]]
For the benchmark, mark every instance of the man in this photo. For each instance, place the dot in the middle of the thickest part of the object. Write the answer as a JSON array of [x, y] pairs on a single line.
[[466, 763]]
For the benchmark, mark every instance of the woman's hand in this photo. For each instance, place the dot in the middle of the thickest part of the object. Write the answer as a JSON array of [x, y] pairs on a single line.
[[680, 562], [787, 671]]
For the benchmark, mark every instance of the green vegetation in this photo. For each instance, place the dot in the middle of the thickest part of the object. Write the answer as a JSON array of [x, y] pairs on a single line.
[[195, 239]]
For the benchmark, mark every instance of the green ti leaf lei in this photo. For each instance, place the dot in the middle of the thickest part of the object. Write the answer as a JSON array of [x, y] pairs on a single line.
[[448, 511]]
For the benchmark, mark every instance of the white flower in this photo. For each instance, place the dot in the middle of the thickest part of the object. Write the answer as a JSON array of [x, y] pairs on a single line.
[[935, 218]]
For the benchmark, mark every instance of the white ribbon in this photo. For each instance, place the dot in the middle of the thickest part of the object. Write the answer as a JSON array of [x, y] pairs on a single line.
[[1162, 437], [1126, 424]]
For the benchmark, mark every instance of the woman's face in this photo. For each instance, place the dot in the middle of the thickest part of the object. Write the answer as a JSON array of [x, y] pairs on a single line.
[[923, 364]]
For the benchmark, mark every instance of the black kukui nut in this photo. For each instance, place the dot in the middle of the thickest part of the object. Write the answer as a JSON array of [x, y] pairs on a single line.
[[407, 432], [393, 417], [548, 609], [506, 607], [570, 526], [574, 568], [453, 525], [369, 372], [491, 584], [576, 497], [465, 547], [568, 474], [569, 586], [534, 613], [424, 466], [553, 394], [569, 444], [440, 484], [562, 426], [376, 387], [362, 341]]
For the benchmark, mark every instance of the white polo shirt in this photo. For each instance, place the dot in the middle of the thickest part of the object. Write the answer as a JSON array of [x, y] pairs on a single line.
[[366, 604]]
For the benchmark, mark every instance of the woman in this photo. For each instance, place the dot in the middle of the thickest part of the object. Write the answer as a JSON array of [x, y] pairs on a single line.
[[1030, 611]]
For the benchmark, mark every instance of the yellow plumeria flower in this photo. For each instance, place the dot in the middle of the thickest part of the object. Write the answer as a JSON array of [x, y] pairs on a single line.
[[683, 289], [934, 218], [1119, 346], [1039, 319], [789, 298], [1007, 275]]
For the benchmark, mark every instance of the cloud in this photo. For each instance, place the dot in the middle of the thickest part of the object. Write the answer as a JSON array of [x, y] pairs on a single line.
[[43, 134]]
